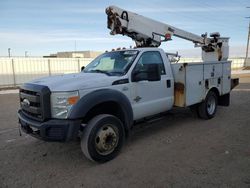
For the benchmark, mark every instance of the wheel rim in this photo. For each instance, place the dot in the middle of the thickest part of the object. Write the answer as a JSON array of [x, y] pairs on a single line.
[[106, 139], [211, 105]]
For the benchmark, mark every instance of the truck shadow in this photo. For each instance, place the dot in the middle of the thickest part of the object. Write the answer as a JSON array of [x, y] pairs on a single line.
[[171, 120]]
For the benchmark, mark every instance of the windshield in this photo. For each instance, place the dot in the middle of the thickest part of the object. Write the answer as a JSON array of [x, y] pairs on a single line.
[[112, 63]]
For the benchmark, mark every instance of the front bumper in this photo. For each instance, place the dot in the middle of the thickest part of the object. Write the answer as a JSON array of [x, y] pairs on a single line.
[[51, 130]]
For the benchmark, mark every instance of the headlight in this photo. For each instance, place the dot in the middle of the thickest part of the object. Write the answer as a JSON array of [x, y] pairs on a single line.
[[62, 102]]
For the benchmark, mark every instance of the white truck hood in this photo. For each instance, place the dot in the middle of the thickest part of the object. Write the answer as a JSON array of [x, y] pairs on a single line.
[[77, 81]]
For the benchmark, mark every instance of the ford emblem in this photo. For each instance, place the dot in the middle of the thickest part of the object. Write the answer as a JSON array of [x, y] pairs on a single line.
[[26, 102]]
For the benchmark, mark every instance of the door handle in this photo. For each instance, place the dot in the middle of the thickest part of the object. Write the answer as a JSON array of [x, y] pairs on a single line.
[[168, 83]]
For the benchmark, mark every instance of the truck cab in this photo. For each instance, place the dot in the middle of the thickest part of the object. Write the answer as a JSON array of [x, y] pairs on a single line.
[[102, 102]]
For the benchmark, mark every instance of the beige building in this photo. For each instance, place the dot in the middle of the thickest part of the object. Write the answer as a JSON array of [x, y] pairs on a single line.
[[76, 54]]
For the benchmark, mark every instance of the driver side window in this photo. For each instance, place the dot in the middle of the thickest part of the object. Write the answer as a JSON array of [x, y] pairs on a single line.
[[152, 57]]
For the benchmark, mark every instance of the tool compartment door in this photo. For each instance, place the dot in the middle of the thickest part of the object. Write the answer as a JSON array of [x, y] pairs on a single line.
[[226, 78], [194, 83]]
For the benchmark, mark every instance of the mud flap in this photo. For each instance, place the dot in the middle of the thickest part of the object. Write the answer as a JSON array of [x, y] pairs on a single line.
[[234, 82]]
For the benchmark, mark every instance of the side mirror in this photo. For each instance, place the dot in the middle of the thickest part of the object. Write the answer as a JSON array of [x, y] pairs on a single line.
[[82, 68], [151, 72]]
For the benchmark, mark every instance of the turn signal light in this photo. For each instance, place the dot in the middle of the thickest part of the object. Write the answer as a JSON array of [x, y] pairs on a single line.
[[73, 100]]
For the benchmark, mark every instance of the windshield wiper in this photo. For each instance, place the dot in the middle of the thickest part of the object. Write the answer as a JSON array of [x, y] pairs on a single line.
[[117, 72], [101, 71]]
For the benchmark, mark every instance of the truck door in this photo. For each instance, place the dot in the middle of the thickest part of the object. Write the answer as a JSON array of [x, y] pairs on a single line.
[[151, 97]]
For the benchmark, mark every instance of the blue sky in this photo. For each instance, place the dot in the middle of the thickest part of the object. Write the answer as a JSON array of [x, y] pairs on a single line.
[[41, 27]]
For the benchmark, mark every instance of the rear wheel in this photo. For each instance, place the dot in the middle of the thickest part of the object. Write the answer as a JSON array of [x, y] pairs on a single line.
[[102, 138], [207, 109]]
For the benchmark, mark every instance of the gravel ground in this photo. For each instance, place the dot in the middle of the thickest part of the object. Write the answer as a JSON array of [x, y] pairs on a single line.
[[179, 150]]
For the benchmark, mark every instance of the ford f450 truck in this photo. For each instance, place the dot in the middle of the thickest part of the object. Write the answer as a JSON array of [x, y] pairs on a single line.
[[113, 91], [118, 88]]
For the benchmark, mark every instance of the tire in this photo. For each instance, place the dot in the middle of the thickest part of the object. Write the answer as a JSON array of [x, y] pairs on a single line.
[[102, 138], [207, 109], [194, 109]]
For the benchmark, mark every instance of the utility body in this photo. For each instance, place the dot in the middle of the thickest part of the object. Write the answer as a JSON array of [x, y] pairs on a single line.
[[105, 100]]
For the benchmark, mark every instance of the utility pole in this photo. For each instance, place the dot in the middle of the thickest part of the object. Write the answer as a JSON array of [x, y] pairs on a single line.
[[247, 42], [26, 54], [248, 36], [9, 52]]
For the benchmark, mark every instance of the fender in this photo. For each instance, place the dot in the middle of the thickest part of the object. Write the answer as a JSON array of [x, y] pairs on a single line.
[[87, 102], [223, 100], [214, 88]]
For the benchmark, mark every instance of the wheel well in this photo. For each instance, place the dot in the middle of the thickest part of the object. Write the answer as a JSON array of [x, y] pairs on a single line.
[[108, 107], [216, 91]]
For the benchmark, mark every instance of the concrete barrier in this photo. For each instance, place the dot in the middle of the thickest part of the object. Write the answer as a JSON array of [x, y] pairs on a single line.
[[16, 71]]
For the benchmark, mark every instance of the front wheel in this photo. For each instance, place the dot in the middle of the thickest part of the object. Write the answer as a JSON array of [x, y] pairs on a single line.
[[207, 109], [102, 138]]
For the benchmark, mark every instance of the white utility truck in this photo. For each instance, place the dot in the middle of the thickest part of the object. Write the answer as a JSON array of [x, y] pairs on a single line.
[[121, 87]]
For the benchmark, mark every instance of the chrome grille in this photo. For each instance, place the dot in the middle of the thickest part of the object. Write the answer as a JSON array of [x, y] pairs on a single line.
[[35, 101], [31, 103]]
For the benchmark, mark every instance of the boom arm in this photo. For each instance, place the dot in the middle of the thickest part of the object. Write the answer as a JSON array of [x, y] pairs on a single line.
[[150, 33]]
